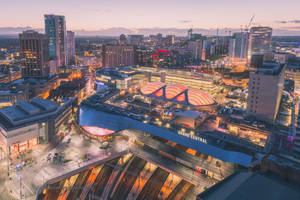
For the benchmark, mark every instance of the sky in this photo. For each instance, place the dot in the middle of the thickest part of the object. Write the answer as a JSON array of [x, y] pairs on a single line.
[[99, 15]]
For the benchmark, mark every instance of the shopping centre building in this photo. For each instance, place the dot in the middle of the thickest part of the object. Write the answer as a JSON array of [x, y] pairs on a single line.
[[172, 115], [28, 123]]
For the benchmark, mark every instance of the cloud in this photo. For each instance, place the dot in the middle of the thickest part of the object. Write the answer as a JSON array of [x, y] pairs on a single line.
[[184, 21], [291, 28], [281, 22], [296, 21]]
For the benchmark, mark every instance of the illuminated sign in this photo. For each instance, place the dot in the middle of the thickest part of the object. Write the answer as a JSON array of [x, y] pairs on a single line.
[[194, 137]]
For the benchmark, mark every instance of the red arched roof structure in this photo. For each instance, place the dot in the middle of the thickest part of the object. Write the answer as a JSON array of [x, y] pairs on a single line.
[[173, 90], [178, 93], [199, 98], [152, 87]]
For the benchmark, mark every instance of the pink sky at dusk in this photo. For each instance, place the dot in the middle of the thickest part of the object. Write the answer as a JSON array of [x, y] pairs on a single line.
[[92, 15]]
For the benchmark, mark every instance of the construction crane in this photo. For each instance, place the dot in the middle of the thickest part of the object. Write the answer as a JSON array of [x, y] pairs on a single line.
[[249, 24]]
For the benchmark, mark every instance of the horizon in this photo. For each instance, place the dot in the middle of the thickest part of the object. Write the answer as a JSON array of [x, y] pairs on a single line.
[[117, 31], [98, 17]]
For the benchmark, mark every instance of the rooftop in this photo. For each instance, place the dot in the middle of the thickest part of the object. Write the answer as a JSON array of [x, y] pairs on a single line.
[[24, 112], [270, 68], [189, 113], [177, 93], [116, 72], [24, 109]]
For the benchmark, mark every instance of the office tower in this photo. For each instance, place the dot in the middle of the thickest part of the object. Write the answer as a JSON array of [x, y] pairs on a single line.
[[257, 60], [260, 40], [196, 37], [196, 48], [144, 56], [34, 51], [123, 39], [169, 40], [238, 46], [136, 39], [292, 72], [55, 29], [156, 39], [190, 32], [70, 47], [159, 37], [264, 91], [118, 55]]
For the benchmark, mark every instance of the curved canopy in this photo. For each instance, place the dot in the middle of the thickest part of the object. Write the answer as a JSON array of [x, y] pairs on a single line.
[[178, 93], [173, 90], [151, 87]]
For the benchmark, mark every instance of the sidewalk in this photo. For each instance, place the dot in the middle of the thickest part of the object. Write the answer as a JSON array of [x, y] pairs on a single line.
[[41, 171]]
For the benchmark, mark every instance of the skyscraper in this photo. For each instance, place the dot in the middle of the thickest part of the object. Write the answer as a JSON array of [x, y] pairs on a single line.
[[135, 39], [55, 28], [169, 40], [70, 47], [123, 39], [118, 55], [196, 48], [265, 90], [190, 32], [34, 50], [260, 40], [238, 46]]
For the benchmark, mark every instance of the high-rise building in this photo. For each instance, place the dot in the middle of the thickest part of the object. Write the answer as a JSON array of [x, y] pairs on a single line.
[[159, 37], [118, 55], [156, 39], [136, 39], [55, 29], [34, 50], [190, 32], [123, 39], [260, 40], [169, 40], [70, 47], [196, 48], [264, 91], [196, 37], [238, 46]]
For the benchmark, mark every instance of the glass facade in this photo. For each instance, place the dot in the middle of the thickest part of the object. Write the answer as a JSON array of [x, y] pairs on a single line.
[[55, 28], [260, 40]]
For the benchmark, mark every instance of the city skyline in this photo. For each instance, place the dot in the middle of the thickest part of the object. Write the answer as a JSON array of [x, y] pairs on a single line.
[[110, 18]]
